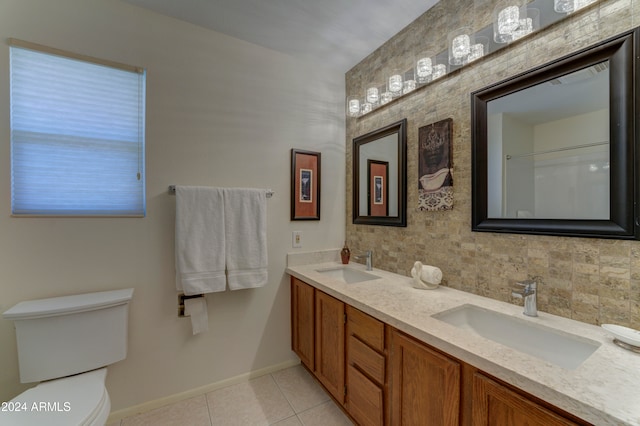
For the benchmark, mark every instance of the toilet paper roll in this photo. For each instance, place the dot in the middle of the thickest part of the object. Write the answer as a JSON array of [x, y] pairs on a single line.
[[196, 308]]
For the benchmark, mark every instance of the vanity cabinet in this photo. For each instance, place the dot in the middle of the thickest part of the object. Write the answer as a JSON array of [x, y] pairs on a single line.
[[382, 376], [302, 321], [496, 404], [329, 342], [317, 335], [425, 384], [366, 368]]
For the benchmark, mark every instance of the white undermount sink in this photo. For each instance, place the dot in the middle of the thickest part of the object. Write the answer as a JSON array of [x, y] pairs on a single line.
[[348, 275], [562, 349]]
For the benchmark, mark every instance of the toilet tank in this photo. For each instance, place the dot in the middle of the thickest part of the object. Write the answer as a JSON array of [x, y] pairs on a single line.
[[61, 336]]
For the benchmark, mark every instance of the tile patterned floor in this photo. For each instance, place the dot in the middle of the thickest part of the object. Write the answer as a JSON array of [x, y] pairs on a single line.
[[289, 397]]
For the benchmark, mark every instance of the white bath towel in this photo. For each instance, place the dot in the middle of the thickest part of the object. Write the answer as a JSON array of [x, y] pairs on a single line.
[[246, 237], [200, 240]]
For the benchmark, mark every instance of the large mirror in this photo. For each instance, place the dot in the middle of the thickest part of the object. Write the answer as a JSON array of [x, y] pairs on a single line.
[[554, 149], [380, 176]]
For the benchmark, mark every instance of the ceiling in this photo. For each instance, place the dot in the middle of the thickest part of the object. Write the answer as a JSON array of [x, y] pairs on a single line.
[[336, 33]]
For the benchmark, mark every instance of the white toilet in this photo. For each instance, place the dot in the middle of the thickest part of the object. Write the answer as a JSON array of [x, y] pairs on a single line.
[[66, 343]]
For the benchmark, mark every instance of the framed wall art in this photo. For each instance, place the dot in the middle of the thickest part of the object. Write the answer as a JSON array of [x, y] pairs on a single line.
[[435, 167], [378, 178], [305, 185]]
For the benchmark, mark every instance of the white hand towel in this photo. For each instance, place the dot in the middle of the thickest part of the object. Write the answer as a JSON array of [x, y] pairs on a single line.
[[425, 277], [431, 274], [200, 240], [245, 212]]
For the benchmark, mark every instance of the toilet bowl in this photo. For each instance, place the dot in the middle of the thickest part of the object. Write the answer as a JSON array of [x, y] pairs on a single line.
[[65, 343], [77, 400]]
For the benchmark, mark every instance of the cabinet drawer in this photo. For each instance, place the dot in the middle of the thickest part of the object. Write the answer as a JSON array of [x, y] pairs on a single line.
[[366, 328], [365, 399], [366, 359]]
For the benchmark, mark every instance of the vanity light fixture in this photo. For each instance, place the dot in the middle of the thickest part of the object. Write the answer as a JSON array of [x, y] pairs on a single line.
[[478, 49], [409, 84], [514, 21], [385, 97], [527, 24], [438, 71], [505, 22], [460, 42], [424, 68], [395, 83], [570, 6], [373, 95], [353, 106]]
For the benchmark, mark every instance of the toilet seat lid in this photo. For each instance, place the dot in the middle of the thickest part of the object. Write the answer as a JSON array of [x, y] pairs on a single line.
[[75, 400]]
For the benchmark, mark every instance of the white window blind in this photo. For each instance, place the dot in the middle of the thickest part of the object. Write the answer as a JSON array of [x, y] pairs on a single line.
[[77, 137]]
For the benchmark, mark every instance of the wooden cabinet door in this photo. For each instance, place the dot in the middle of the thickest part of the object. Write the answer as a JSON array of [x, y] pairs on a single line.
[[425, 384], [497, 405], [302, 320], [330, 344]]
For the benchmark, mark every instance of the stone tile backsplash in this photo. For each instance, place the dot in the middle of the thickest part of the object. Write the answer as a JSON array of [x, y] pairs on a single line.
[[592, 280]]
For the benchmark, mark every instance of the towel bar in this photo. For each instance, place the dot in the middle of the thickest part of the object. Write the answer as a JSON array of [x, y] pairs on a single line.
[[172, 191]]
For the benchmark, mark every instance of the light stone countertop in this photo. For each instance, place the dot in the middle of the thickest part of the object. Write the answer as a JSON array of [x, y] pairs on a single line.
[[604, 390]]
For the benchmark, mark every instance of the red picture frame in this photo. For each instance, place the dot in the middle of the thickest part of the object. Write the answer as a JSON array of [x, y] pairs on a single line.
[[305, 185], [378, 187]]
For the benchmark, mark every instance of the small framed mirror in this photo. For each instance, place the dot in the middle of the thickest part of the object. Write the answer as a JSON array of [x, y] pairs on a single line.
[[380, 176], [554, 149]]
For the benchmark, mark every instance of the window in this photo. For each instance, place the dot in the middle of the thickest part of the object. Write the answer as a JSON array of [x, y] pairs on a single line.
[[77, 134]]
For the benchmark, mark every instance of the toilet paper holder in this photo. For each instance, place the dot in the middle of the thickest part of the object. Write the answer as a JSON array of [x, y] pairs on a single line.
[[181, 298]]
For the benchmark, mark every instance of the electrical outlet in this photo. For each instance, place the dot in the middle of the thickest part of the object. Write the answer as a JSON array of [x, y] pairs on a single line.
[[297, 239]]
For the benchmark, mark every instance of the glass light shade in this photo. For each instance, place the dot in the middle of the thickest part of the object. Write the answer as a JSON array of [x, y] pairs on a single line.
[[438, 71], [478, 49], [385, 97], [373, 95], [563, 6], [409, 83], [409, 86], [395, 83], [424, 68], [353, 107], [506, 20], [460, 46], [529, 22], [579, 4], [460, 42]]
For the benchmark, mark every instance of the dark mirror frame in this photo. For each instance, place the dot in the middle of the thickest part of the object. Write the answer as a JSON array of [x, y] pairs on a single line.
[[621, 52], [401, 220]]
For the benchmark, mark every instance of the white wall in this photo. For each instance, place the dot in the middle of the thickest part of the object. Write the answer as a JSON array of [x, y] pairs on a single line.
[[220, 112]]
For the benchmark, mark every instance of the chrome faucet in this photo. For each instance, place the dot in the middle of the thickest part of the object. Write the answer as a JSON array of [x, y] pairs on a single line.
[[527, 290], [367, 255]]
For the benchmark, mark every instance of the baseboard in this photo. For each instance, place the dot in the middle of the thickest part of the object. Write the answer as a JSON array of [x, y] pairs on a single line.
[[116, 416]]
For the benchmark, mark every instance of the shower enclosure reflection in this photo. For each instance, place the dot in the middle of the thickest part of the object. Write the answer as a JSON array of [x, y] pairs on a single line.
[[549, 148]]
